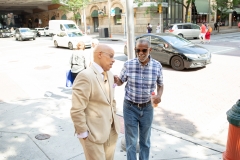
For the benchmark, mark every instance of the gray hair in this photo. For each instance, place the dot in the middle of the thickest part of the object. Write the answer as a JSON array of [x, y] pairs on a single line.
[[143, 40]]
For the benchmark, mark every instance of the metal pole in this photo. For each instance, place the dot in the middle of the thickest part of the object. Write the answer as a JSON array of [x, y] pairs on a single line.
[[130, 29], [109, 18], [85, 25], [124, 27], [209, 11]]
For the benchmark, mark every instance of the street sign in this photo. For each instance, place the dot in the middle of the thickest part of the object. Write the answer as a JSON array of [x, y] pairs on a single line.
[[112, 12], [164, 4]]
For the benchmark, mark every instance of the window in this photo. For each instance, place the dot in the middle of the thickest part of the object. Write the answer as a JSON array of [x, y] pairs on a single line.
[[70, 26], [195, 26], [180, 26], [117, 20], [74, 34], [156, 41], [187, 26]]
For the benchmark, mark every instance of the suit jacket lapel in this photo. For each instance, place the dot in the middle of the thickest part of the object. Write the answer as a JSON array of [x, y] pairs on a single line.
[[111, 81], [101, 83]]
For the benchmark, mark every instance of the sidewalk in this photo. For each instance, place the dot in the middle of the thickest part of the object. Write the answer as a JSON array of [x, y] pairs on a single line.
[[122, 37], [22, 121]]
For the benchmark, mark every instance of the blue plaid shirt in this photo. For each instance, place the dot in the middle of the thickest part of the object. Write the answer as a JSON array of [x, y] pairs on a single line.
[[141, 80]]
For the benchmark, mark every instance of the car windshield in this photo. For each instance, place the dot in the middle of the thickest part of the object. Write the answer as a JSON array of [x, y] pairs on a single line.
[[24, 30], [41, 29], [176, 40], [74, 34], [70, 26]]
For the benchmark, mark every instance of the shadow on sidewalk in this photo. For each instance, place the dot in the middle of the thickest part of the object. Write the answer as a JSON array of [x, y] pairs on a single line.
[[173, 121]]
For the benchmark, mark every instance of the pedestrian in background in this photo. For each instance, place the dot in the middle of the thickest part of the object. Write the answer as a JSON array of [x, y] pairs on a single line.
[[202, 33], [88, 29], [93, 109], [77, 60], [149, 28], [158, 28], [142, 75], [208, 34], [215, 26]]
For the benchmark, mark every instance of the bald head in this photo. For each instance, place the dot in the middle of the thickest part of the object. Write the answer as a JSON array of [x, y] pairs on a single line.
[[104, 56]]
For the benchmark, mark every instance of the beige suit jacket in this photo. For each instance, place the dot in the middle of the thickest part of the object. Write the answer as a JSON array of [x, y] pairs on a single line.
[[92, 109]]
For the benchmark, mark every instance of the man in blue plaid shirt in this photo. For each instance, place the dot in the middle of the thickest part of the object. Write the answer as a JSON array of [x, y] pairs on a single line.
[[142, 75]]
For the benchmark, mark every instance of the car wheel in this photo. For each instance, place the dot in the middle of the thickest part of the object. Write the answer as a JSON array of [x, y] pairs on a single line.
[[20, 38], [34, 38], [181, 35], [177, 63], [70, 45], [55, 43], [16, 39]]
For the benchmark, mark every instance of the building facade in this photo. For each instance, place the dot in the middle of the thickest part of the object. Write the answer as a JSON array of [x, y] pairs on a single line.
[[98, 11]]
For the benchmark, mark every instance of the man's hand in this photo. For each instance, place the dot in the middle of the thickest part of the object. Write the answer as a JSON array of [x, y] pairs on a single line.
[[156, 99], [117, 80]]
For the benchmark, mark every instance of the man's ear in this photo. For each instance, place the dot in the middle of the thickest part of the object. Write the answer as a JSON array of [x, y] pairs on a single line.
[[150, 49]]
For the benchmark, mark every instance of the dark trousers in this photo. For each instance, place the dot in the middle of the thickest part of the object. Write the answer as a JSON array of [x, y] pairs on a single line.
[[74, 75]]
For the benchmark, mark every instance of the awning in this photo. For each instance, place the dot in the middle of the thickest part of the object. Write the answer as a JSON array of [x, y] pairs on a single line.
[[231, 10], [94, 13], [202, 6]]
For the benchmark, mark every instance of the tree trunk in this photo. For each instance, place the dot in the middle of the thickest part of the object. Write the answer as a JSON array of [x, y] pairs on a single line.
[[186, 14]]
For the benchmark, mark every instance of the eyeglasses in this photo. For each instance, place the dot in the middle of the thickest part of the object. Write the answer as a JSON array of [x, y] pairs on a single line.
[[139, 50]]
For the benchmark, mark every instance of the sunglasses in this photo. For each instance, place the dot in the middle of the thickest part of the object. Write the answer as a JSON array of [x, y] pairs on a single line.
[[139, 50]]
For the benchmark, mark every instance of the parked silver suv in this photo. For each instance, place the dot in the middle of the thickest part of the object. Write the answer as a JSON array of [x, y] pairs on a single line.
[[186, 30]]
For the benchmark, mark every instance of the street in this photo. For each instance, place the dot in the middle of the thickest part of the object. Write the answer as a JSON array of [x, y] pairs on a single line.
[[194, 101]]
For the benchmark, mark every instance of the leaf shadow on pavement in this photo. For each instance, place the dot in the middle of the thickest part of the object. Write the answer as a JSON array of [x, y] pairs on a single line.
[[21, 121], [173, 121]]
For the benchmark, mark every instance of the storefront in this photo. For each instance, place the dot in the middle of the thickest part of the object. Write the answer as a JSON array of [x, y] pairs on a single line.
[[201, 11]]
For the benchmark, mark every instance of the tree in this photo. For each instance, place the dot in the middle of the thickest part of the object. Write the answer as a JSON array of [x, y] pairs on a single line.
[[223, 6], [186, 6], [72, 6], [181, 2]]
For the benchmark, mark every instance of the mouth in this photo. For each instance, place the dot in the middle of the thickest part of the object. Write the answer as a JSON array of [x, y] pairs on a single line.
[[141, 56]]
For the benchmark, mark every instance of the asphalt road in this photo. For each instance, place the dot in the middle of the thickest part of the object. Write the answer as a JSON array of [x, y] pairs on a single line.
[[194, 102]]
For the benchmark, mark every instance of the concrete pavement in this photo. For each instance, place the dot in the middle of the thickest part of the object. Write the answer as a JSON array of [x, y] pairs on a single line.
[[22, 121]]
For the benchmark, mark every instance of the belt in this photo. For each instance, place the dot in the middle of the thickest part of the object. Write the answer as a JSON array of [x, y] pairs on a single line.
[[139, 105]]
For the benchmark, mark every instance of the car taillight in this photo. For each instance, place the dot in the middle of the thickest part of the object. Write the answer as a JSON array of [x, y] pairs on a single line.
[[170, 30]]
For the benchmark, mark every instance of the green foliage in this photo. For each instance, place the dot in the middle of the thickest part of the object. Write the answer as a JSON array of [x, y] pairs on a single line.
[[224, 5], [153, 7], [72, 6], [221, 6]]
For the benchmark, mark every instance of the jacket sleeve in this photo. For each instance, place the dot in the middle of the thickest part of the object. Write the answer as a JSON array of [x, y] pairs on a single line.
[[80, 98]]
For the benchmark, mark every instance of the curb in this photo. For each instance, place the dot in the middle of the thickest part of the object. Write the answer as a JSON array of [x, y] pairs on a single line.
[[196, 141]]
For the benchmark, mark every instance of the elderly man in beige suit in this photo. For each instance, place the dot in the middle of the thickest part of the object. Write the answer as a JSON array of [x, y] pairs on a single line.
[[93, 107]]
